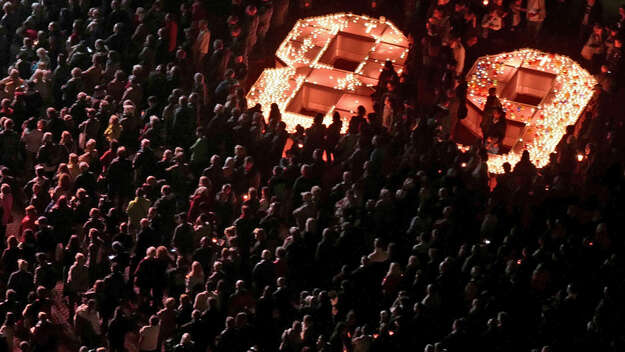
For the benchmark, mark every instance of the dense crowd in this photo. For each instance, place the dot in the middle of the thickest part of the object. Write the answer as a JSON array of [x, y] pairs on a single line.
[[145, 207]]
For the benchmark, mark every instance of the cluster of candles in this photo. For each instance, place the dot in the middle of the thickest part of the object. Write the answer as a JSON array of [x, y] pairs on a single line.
[[302, 50], [573, 88]]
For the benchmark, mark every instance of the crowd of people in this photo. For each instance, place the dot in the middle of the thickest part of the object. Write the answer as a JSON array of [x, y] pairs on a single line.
[[144, 206]]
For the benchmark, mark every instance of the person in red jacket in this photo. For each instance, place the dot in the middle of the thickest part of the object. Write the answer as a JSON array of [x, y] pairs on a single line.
[[390, 283], [172, 32], [201, 203], [29, 221], [241, 300]]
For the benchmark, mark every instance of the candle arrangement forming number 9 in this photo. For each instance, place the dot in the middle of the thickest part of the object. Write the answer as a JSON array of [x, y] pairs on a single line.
[[566, 97]]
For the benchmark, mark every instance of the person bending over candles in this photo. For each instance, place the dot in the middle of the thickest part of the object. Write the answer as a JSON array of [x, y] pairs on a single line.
[[496, 132]]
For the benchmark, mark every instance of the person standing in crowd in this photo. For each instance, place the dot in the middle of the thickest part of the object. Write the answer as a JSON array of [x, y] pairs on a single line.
[[594, 48], [536, 14], [591, 13], [149, 336], [6, 205], [201, 45]]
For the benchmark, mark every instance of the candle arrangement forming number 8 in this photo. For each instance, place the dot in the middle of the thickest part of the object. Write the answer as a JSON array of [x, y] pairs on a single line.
[[329, 63]]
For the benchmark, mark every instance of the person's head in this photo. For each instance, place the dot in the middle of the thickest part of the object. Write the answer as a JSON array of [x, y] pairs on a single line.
[[5, 189], [361, 111], [113, 120], [266, 255], [121, 152], [186, 337], [66, 137], [117, 28], [80, 259], [12, 242], [42, 53], [497, 115], [240, 151], [437, 13], [281, 281], [281, 253], [245, 211], [120, 76], [14, 74], [196, 268], [455, 42], [311, 225], [7, 7], [31, 211], [318, 119], [507, 167], [460, 7], [9, 124], [162, 253], [597, 29], [22, 265], [589, 149], [306, 170], [229, 74], [145, 143], [151, 252], [170, 303], [218, 44]]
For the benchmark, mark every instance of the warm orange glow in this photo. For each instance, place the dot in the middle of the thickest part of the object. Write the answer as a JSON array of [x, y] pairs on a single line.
[[302, 56], [545, 125]]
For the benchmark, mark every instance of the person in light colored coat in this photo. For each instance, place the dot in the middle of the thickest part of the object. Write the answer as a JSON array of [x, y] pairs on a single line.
[[536, 14]]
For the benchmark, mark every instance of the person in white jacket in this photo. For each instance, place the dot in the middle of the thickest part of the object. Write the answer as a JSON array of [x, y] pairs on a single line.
[[459, 54], [536, 14], [201, 45]]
